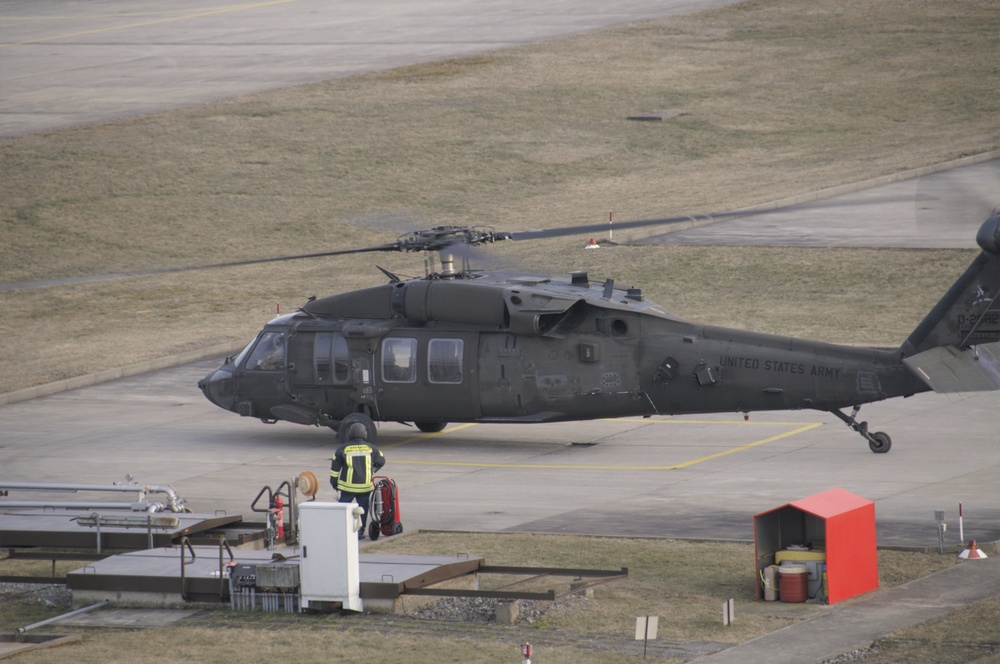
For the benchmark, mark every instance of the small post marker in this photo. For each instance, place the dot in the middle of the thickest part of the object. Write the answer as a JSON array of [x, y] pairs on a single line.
[[942, 527], [645, 630], [728, 612]]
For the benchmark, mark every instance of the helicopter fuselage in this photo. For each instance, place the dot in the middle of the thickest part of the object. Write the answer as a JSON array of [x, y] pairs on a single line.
[[475, 346], [512, 348]]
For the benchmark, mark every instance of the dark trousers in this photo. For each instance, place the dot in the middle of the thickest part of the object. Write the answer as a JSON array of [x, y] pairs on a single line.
[[362, 499]]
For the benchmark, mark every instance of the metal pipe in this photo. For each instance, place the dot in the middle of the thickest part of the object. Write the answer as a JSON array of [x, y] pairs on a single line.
[[121, 521], [176, 504], [135, 507], [61, 486], [26, 628]]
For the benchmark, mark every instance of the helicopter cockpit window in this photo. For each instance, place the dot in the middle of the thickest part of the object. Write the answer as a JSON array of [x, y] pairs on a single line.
[[399, 360], [332, 358], [243, 353], [269, 353], [444, 361]]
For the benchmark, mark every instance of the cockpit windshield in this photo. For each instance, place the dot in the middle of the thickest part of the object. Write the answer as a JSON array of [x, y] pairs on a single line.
[[269, 353], [243, 353]]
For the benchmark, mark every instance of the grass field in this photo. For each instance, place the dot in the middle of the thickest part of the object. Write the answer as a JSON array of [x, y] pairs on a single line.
[[770, 98], [683, 583]]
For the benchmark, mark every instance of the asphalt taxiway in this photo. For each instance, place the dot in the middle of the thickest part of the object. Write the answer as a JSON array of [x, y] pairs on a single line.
[[67, 64], [684, 477], [939, 206]]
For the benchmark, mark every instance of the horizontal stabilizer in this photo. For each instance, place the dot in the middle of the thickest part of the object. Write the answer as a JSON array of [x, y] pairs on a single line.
[[947, 369]]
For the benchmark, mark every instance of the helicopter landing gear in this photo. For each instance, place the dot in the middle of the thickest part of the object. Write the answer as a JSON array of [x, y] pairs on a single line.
[[431, 427], [878, 442], [357, 418]]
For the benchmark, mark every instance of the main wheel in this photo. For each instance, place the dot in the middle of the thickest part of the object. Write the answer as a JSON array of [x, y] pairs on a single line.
[[431, 427], [881, 444], [356, 418]]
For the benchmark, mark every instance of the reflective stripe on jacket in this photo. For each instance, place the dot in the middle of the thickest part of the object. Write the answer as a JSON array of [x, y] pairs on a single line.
[[353, 466]]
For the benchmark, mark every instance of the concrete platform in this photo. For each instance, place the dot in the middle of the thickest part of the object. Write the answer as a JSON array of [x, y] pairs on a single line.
[[11, 644], [71, 529], [175, 576]]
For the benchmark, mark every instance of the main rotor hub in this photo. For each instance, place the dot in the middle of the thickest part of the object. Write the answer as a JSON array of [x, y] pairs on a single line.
[[443, 237]]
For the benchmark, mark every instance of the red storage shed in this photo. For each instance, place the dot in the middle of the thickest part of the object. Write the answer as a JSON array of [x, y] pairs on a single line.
[[836, 521]]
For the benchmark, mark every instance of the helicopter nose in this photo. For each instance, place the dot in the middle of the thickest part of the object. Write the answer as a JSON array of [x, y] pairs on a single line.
[[220, 387]]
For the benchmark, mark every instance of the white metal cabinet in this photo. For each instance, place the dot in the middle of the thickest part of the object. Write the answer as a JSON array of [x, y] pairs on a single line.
[[329, 567]]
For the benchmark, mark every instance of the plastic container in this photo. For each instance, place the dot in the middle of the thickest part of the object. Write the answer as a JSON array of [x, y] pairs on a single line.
[[794, 583]]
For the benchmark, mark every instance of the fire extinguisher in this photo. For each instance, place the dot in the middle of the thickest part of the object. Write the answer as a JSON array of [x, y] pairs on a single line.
[[277, 508], [526, 653]]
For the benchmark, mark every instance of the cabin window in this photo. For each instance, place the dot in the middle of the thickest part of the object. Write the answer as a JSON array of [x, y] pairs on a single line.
[[399, 360], [332, 358], [444, 361], [269, 353]]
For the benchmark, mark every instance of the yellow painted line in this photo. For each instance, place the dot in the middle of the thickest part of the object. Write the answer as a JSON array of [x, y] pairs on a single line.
[[171, 19], [739, 422], [801, 429], [427, 436], [541, 466]]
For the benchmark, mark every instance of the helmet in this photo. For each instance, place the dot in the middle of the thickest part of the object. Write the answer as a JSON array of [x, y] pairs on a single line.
[[357, 431]]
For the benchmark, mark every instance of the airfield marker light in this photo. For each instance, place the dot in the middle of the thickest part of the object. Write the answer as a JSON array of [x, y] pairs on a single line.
[[611, 231], [746, 416], [942, 527], [972, 552], [277, 308]]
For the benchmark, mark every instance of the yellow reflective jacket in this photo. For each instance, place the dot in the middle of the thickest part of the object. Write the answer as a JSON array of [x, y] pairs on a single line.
[[353, 465]]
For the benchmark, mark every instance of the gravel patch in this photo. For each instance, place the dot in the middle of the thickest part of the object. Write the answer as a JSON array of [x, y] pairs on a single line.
[[56, 595], [859, 655], [483, 611]]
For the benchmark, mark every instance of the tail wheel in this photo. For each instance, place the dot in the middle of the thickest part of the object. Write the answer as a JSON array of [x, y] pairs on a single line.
[[880, 442]]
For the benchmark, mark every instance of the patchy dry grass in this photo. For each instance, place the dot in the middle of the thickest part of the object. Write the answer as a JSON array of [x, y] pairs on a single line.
[[772, 98], [968, 634], [684, 583]]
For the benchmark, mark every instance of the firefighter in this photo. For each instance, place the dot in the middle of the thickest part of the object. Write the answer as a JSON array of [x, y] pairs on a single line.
[[354, 463]]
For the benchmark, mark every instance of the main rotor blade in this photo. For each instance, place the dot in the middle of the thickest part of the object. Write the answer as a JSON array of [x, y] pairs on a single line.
[[275, 259], [597, 228], [27, 285]]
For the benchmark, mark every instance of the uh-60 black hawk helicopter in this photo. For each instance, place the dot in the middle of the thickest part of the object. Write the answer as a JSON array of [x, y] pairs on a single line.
[[463, 345]]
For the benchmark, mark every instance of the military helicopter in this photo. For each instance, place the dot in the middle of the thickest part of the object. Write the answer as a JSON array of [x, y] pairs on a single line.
[[474, 345]]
